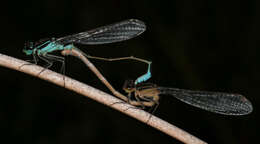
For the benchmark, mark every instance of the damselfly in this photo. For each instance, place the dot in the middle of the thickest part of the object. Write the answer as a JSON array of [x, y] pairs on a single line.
[[148, 95], [116, 32]]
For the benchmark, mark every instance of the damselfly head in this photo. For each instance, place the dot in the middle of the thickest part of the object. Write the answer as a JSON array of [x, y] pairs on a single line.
[[28, 47], [129, 86]]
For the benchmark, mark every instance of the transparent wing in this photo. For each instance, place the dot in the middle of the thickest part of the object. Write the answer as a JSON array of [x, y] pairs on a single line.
[[116, 32], [222, 103]]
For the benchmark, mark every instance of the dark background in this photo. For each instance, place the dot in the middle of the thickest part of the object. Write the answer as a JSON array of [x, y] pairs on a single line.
[[200, 45]]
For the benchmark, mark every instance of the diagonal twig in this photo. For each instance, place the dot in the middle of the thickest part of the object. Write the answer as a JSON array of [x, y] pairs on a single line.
[[104, 98]]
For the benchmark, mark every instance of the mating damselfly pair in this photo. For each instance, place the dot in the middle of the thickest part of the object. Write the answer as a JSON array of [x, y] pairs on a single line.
[[145, 94]]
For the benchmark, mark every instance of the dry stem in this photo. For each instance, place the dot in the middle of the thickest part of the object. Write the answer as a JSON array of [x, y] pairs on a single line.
[[99, 96]]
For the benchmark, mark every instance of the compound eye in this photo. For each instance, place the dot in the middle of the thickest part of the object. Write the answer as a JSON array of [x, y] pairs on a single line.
[[28, 45], [31, 45], [128, 85]]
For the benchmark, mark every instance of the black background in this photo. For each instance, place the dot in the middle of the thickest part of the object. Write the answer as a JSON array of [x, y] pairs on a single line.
[[204, 45]]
